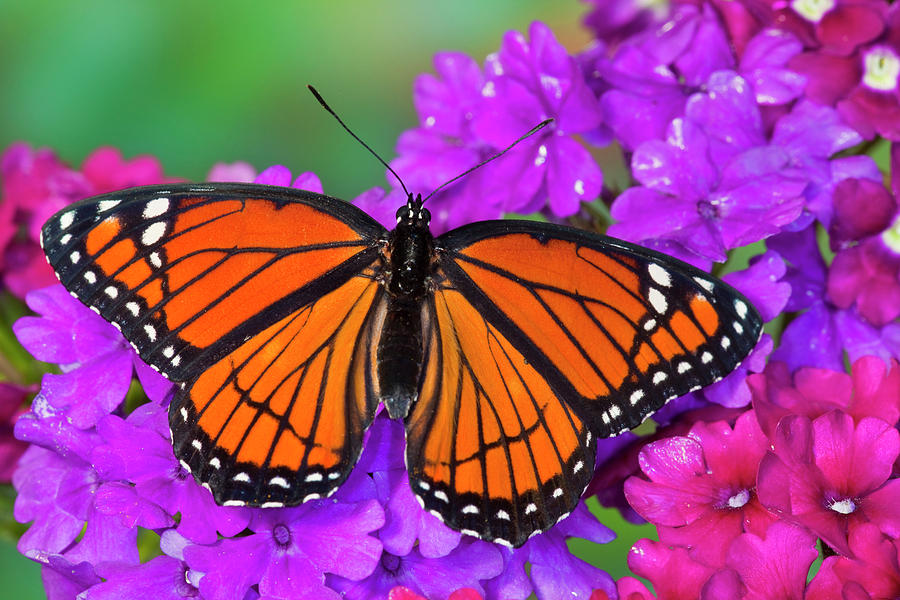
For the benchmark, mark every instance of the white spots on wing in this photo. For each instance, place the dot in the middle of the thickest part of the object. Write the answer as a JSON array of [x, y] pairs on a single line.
[[66, 220], [90, 277], [280, 482], [502, 515], [156, 207], [153, 233], [234, 503], [614, 411], [334, 475], [636, 396], [471, 532], [215, 463], [133, 308], [531, 508], [185, 466], [313, 477], [309, 497], [437, 515], [241, 477], [64, 239], [726, 343], [75, 256], [706, 284], [150, 331], [706, 358], [442, 496], [105, 205], [176, 361], [184, 415], [271, 505], [658, 301], [424, 485], [650, 325], [205, 486], [578, 466], [659, 377], [741, 307], [196, 444], [155, 260], [684, 367], [112, 292], [659, 275], [605, 417], [168, 351], [738, 328], [470, 509]]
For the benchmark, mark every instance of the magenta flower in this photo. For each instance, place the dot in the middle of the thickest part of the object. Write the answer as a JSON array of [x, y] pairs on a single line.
[[871, 390], [12, 400], [672, 571], [772, 565], [831, 474], [861, 80], [702, 488], [36, 184], [874, 573]]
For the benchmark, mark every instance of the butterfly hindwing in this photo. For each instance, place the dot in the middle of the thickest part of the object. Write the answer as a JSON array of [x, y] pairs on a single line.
[[491, 449], [280, 420]]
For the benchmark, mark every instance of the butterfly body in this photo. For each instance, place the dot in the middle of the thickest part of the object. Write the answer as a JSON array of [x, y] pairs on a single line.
[[507, 348]]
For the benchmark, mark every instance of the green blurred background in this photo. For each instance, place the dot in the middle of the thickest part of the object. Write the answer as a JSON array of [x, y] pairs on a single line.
[[195, 83]]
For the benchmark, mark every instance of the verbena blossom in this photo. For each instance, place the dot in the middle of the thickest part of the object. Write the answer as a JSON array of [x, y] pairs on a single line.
[[740, 122]]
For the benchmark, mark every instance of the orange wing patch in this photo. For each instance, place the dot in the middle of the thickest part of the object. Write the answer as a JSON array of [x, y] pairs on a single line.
[[491, 448], [281, 418]]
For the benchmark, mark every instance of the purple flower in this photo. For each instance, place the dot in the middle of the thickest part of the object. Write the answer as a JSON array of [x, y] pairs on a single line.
[[290, 550], [527, 82], [701, 491], [713, 184], [469, 563], [96, 360], [555, 573], [831, 474], [162, 577], [150, 491]]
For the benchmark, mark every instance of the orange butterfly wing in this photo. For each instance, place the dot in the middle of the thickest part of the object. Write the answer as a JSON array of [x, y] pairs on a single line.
[[230, 287], [539, 335]]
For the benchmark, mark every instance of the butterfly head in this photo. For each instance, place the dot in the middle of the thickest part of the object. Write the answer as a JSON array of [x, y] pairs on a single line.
[[413, 214]]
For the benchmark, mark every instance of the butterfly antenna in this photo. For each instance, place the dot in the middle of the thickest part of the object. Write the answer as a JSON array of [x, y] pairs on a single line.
[[356, 137], [530, 133]]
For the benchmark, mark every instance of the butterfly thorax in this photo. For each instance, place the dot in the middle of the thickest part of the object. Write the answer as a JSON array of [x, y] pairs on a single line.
[[407, 267]]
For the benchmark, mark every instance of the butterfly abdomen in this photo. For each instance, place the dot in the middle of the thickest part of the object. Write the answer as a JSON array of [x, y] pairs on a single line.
[[400, 350]]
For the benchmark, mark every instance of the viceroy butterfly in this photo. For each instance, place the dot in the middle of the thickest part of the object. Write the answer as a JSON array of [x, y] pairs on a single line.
[[507, 347]]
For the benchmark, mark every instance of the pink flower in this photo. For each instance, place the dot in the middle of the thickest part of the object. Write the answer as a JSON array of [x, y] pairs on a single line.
[[872, 389], [701, 492], [832, 474], [673, 573], [874, 573]]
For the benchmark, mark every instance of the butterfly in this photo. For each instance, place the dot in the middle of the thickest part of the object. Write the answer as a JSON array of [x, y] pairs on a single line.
[[508, 348]]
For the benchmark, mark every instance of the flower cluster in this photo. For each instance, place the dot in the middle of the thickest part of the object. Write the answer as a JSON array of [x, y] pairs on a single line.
[[743, 123]]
